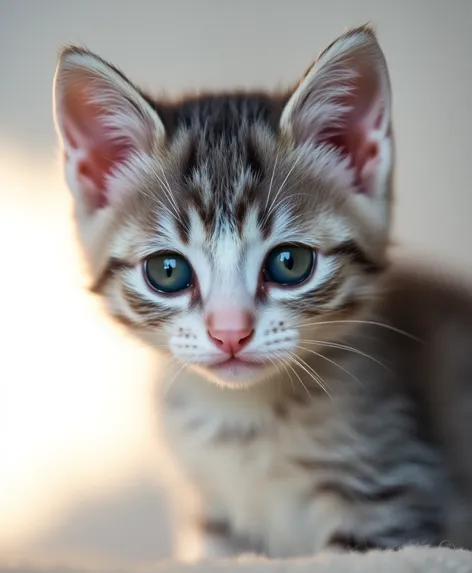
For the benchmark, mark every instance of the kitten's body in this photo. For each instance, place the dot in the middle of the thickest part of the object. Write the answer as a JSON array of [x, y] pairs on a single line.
[[214, 185]]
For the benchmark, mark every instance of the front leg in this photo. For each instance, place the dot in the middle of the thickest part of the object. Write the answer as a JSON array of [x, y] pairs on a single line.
[[204, 532], [209, 539]]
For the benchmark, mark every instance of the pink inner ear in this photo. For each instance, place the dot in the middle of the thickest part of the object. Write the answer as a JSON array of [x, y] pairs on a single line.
[[98, 163], [365, 116], [100, 149], [360, 152]]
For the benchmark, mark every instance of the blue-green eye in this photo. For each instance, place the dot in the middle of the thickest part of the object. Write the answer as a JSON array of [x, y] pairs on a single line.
[[289, 265], [168, 272]]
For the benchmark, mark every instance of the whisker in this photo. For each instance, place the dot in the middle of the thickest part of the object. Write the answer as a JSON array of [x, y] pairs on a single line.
[[283, 362], [166, 184], [272, 178], [274, 363], [169, 189], [161, 205], [313, 374], [276, 366], [286, 202], [274, 200], [174, 379], [368, 322], [331, 361], [299, 378], [321, 380], [297, 195], [158, 202], [340, 346], [283, 184], [169, 194]]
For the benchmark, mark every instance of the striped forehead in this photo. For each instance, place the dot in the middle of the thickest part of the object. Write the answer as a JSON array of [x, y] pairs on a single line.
[[223, 177], [228, 233]]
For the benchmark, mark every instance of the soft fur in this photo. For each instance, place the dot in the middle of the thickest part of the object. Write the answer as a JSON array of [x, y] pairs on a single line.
[[333, 428], [410, 560]]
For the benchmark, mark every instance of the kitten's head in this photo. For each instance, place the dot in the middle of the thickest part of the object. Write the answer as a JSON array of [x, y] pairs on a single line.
[[222, 227]]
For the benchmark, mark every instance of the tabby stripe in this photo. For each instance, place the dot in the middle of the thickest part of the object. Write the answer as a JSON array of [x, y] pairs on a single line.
[[352, 543], [114, 265], [248, 200], [322, 465], [206, 214], [348, 494], [182, 223], [265, 222], [356, 254], [152, 313], [325, 293], [314, 301], [253, 160]]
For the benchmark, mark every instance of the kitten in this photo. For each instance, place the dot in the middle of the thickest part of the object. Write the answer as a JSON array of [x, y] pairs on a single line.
[[323, 402]]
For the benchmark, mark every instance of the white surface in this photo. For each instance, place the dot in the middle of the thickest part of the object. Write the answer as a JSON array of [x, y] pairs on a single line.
[[76, 453]]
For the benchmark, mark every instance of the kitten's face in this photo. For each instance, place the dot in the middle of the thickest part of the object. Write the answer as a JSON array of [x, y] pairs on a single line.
[[221, 229]]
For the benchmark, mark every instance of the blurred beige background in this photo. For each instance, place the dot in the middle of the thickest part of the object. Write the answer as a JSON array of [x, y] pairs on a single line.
[[78, 464]]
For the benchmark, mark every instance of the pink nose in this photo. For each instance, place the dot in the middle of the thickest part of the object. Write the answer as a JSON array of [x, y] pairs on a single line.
[[230, 330], [231, 341]]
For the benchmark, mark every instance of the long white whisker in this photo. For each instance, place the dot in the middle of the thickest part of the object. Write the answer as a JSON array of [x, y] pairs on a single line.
[[283, 184], [168, 186], [168, 193], [274, 363], [283, 362], [272, 178], [276, 366], [321, 380], [173, 211], [160, 204], [281, 204], [299, 378], [172, 203], [348, 349], [174, 379], [313, 374], [331, 361], [368, 322]]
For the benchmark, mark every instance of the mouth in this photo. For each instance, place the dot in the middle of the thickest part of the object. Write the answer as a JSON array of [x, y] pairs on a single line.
[[237, 370], [236, 361]]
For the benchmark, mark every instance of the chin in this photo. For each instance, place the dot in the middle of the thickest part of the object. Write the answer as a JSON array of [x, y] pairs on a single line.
[[235, 373]]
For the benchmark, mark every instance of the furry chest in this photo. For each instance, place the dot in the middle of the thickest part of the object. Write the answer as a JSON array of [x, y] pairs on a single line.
[[253, 478]]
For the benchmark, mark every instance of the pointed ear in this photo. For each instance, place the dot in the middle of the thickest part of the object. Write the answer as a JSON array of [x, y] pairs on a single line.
[[104, 123], [344, 102]]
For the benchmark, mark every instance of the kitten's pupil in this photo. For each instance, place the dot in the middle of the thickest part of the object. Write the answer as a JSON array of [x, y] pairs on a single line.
[[287, 260], [169, 266]]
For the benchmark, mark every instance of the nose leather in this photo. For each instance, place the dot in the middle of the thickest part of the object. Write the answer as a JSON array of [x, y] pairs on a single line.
[[230, 329]]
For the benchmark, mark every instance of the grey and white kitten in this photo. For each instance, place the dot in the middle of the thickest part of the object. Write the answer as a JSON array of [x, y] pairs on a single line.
[[326, 395]]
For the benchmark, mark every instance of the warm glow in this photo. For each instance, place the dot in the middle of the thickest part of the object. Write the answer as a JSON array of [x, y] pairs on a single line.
[[75, 408]]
